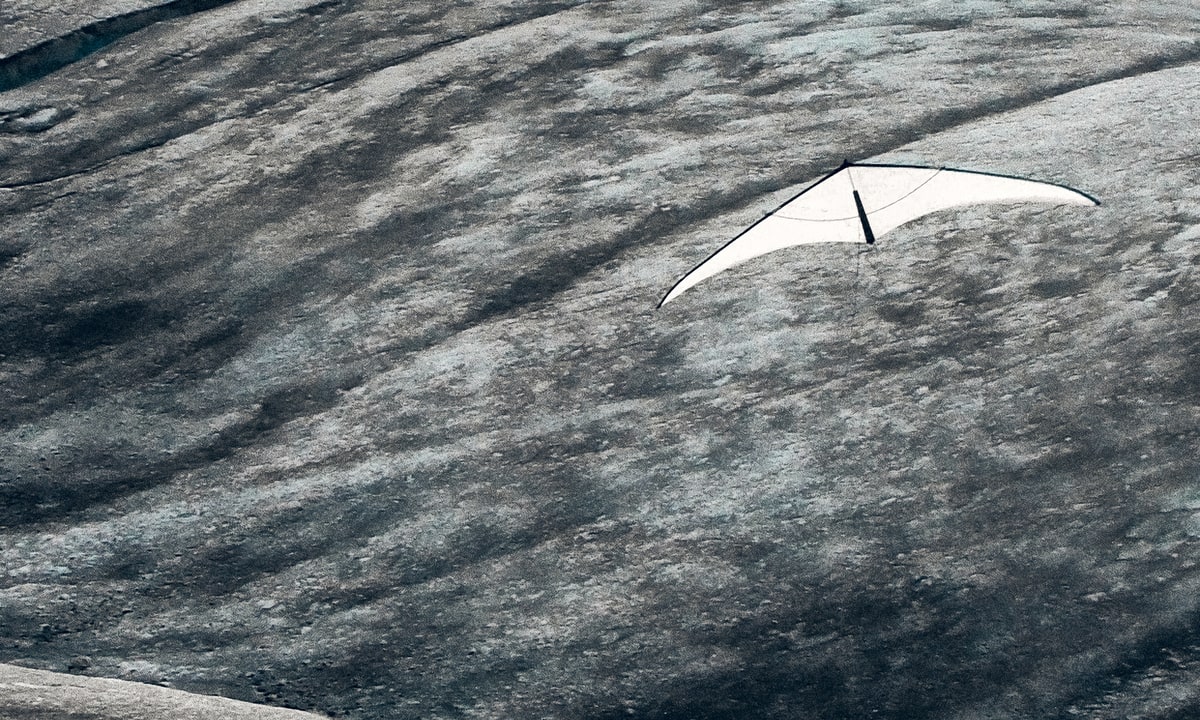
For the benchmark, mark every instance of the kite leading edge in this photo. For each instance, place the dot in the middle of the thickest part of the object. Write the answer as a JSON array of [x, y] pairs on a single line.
[[860, 202]]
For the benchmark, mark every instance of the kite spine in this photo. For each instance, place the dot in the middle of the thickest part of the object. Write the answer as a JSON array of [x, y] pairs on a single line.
[[862, 216]]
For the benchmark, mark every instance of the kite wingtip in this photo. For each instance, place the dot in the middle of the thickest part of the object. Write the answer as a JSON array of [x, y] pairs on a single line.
[[676, 290]]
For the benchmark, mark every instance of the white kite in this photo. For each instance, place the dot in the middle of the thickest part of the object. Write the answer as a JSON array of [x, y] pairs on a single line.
[[859, 202]]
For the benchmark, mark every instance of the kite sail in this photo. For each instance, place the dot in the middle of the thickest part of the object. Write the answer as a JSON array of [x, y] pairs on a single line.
[[860, 202]]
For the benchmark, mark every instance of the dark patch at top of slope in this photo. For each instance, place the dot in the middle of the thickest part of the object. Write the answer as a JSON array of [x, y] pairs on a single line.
[[44, 58]]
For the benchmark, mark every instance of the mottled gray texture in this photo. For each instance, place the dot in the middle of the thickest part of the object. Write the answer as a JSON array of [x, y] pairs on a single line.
[[29, 23], [332, 378]]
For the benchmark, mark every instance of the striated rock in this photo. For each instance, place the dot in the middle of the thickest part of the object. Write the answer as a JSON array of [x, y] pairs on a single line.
[[331, 377], [48, 36], [30, 23]]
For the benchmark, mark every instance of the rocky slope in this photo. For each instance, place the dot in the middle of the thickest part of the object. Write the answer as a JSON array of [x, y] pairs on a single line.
[[41, 695], [332, 378]]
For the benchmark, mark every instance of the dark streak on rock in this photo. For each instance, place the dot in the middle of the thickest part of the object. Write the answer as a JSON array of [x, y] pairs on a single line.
[[104, 477], [1170, 647], [550, 278], [954, 117], [180, 128], [503, 24]]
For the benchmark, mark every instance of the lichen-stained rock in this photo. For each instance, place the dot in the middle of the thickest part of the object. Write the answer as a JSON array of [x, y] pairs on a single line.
[[331, 376]]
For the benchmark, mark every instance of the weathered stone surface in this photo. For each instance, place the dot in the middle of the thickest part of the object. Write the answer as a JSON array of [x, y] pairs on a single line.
[[331, 376], [29, 23], [42, 37], [40, 695]]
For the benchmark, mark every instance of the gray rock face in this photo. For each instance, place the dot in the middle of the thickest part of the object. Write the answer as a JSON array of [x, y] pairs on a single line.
[[331, 378], [40, 695], [47, 36]]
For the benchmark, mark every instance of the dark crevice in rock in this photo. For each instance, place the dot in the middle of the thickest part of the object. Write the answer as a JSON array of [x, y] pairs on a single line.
[[32, 119], [149, 144], [951, 118], [56, 178], [40, 60]]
